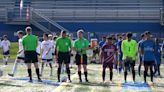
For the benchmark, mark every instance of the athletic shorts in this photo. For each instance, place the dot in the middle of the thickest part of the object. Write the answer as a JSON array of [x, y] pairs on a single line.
[[129, 63], [120, 57], [6, 53], [21, 58], [47, 60], [108, 64], [78, 59], [148, 63], [64, 57], [31, 57]]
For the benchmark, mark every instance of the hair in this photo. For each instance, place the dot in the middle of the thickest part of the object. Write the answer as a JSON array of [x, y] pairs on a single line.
[[80, 31], [109, 38], [28, 28], [63, 32], [147, 32], [20, 32], [45, 34], [4, 36], [129, 34], [142, 35]]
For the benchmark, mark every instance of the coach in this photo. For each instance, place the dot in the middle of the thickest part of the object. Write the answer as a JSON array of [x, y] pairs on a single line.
[[30, 43]]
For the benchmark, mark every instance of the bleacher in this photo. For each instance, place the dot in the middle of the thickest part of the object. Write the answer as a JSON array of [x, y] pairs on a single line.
[[100, 10]]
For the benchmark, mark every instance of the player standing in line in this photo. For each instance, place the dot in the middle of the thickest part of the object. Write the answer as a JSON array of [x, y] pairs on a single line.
[[147, 50], [20, 53], [30, 43], [63, 48], [6, 49], [81, 45], [46, 53], [158, 56], [139, 54], [129, 49], [108, 51], [120, 61]]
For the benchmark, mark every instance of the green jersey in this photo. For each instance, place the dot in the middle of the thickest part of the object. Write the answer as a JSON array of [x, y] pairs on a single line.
[[129, 49], [63, 44], [81, 43], [30, 42]]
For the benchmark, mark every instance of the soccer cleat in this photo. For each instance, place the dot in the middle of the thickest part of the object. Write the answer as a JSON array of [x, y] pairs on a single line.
[[30, 81], [39, 80], [125, 81], [12, 75]]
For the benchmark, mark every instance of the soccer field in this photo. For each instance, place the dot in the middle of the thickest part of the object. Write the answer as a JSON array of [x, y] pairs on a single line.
[[19, 82]]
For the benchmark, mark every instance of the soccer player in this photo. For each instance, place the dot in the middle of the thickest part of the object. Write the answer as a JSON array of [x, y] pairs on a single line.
[[6, 49], [81, 45], [20, 53], [63, 48], [101, 43], [129, 49], [109, 50], [30, 43], [46, 53], [139, 53], [147, 50], [120, 61], [158, 56]]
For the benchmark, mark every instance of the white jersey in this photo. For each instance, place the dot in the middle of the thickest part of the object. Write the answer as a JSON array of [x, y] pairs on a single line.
[[45, 46], [5, 45], [20, 48], [38, 47], [53, 46]]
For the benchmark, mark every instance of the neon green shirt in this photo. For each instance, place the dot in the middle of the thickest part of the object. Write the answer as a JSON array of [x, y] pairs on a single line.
[[81, 43], [30, 42], [129, 49], [63, 44]]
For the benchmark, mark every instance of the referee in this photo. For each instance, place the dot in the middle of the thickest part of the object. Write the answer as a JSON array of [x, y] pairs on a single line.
[[30, 43], [63, 48]]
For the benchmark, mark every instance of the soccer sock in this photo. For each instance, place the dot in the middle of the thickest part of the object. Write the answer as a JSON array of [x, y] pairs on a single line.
[[125, 75], [111, 76], [139, 69], [133, 74], [68, 72], [42, 68], [37, 72], [51, 72], [15, 67], [103, 75], [79, 73], [151, 73], [86, 74], [58, 71], [145, 74], [159, 70], [29, 73]]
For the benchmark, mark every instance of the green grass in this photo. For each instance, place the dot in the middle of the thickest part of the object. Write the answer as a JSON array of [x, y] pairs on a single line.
[[13, 51]]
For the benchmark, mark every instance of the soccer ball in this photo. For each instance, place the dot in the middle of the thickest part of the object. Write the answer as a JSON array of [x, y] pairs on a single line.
[[1, 73]]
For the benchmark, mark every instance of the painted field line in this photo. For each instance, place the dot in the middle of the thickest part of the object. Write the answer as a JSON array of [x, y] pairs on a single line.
[[64, 84]]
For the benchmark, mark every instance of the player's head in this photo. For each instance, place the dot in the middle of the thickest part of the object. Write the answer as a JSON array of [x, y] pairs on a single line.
[[5, 37], [142, 36], [50, 37], [28, 30], [64, 33], [80, 33], [109, 40], [129, 35], [147, 34], [20, 34], [45, 36], [104, 38], [123, 36], [54, 38], [118, 36]]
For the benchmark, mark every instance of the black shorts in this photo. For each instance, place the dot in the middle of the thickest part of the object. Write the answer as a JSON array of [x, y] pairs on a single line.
[[129, 63], [78, 59], [148, 63], [64, 57], [6, 53], [31, 57], [21, 58]]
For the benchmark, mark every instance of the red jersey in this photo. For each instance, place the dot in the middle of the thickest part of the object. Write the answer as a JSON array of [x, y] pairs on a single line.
[[108, 53]]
